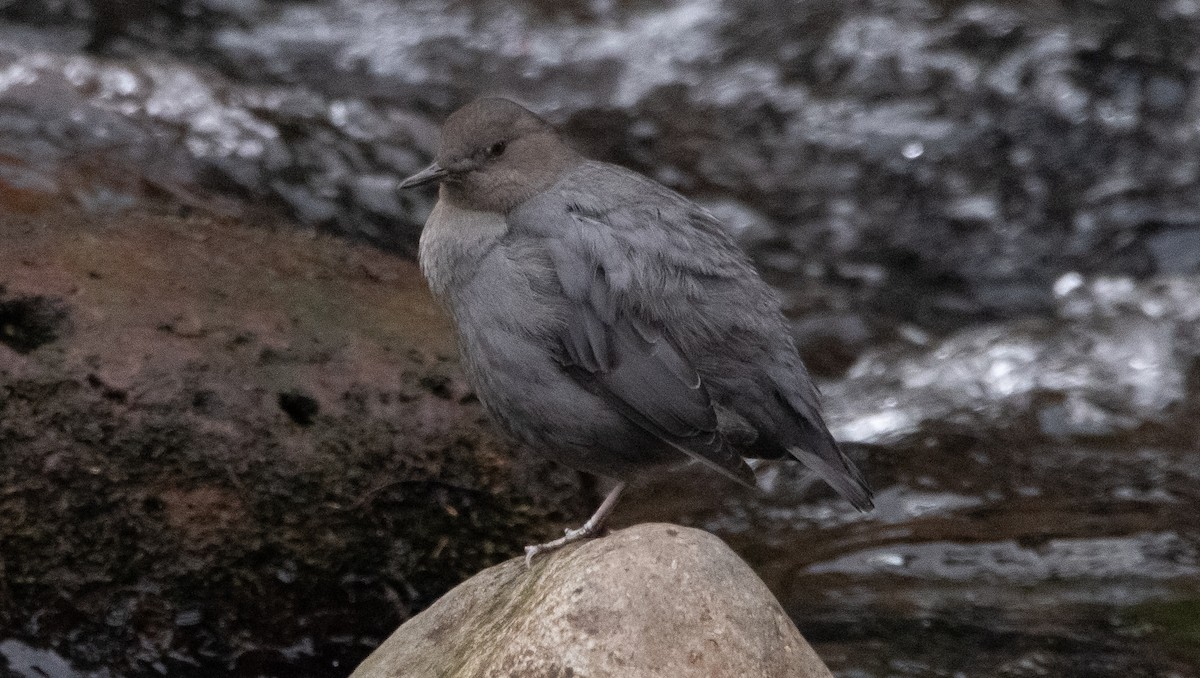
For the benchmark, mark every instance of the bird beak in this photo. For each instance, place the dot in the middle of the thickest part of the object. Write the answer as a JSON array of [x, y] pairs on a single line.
[[434, 172]]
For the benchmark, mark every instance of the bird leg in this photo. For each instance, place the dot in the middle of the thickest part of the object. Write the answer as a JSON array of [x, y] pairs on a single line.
[[589, 529]]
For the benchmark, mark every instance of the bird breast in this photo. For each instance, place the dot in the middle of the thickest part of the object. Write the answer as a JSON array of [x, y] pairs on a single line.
[[453, 243]]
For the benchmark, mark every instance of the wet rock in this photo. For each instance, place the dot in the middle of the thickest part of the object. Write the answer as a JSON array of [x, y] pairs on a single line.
[[650, 600], [233, 440]]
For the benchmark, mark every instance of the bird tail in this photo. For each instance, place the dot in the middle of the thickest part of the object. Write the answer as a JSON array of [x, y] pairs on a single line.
[[809, 440], [841, 474]]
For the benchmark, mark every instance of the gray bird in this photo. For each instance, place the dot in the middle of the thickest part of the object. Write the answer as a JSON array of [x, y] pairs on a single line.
[[608, 321]]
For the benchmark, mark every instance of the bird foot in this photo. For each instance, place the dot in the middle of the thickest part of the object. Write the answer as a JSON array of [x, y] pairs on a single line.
[[590, 529], [569, 537]]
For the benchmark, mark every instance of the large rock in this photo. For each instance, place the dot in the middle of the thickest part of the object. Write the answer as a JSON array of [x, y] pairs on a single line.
[[651, 600], [221, 443]]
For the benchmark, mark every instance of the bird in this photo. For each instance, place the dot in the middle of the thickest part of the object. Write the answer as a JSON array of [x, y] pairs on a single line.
[[608, 321]]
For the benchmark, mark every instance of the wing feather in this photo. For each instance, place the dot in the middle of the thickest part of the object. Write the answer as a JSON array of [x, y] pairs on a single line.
[[623, 356], [636, 261]]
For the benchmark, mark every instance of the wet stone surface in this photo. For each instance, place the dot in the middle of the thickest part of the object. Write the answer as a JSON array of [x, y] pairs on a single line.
[[982, 216], [234, 451]]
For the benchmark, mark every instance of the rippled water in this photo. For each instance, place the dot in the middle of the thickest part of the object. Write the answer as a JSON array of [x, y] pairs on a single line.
[[983, 217]]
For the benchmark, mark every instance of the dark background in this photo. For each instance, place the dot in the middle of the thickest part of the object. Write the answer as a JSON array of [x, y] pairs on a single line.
[[983, 218]]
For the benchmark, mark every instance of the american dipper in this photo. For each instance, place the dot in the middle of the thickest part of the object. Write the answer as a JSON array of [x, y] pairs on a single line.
[[608, 321]]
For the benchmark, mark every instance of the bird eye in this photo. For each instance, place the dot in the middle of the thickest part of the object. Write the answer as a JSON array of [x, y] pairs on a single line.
[[496, 149]]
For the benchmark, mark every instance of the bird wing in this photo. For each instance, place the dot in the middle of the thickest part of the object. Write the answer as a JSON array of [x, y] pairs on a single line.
[[636, 262], [617, 350]]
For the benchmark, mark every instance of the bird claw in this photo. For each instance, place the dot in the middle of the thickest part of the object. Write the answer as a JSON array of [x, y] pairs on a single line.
[[589, 529], [570, 536]]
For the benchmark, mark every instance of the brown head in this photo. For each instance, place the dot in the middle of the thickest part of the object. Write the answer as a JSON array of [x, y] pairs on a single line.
[[494, 154]]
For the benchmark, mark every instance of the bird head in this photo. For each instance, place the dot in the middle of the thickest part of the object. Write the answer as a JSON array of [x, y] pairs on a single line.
[[493, 155]]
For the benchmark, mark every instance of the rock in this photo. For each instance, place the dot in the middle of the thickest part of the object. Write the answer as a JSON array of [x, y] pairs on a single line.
[[213, 437], [650, 600]]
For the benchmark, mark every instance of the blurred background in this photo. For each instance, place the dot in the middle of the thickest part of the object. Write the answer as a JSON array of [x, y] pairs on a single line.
[[233, 439]]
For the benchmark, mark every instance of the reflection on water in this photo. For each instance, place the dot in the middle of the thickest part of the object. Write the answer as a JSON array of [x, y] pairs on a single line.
[[1114, 356]]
